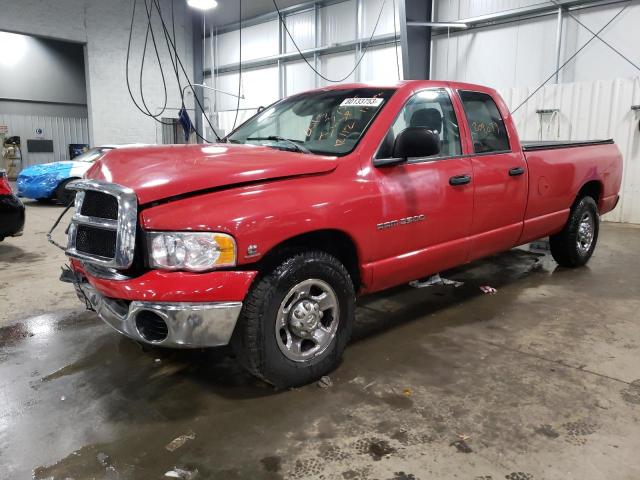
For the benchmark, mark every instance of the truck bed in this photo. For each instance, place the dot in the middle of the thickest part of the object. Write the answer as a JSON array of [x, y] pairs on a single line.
[[534, 145], [557, 171]]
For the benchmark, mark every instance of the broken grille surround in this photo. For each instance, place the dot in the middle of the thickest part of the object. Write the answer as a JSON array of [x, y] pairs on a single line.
[[124, 226]]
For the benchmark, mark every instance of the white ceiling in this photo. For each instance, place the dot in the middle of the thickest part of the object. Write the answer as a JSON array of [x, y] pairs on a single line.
[[227, 10]]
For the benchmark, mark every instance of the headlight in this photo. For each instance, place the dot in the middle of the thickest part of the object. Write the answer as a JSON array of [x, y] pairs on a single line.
[[194, 251]]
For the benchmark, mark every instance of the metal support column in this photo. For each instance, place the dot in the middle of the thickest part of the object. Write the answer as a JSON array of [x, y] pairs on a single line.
[[416, 42], [316, 43], [281, 67], [359, 22], [558, 45], [198, 69]]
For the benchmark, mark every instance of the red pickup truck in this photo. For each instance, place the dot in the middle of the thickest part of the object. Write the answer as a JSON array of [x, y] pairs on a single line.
[[264, 240]]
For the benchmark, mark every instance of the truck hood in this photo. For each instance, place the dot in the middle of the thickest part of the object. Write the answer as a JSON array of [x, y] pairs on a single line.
[[160, 172]]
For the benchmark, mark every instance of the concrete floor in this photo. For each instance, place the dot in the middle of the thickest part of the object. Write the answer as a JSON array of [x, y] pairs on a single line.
[[540, 381]]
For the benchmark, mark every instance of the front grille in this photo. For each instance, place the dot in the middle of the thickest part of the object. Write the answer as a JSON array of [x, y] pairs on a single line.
[[103, 229], [96, 241], [99, 205]]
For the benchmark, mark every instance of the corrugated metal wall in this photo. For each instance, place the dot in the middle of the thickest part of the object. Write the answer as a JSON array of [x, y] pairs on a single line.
[[523, 52], [589, 110], [336, 23], [225, 119], [62, 130], [517, 54], [449, 10]]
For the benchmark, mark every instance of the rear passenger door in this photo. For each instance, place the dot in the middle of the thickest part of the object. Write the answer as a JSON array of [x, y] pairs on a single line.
[[499, 176]]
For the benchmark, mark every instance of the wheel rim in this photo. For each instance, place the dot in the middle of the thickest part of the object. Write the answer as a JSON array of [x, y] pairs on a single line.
[[307, 320], [586, 232]]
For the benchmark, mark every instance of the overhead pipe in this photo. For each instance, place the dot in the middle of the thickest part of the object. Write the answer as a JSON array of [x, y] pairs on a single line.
[[211, 88], [459, 25]]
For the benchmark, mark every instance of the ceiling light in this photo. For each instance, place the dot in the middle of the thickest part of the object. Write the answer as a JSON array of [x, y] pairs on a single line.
[[15, 47], [202, 4]]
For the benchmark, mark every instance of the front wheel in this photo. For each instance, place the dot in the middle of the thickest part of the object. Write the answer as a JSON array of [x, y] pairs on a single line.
[[297, 320], [574, 245], [64, 196]]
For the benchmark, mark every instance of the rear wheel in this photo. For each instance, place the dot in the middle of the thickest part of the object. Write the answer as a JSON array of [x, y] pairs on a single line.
[[574, 245], [64, 196], [297, 320]]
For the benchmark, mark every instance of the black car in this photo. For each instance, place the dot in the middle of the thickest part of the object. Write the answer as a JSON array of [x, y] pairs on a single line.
[[11, 210]]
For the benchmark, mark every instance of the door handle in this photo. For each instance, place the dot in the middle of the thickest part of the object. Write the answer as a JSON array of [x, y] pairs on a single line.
[[460, 180], [514, 172]]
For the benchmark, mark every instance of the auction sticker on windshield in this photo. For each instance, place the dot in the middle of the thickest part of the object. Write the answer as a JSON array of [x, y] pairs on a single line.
[[362, 102]]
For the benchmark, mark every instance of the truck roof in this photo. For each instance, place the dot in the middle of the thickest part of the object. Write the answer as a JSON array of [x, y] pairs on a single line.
[[407, 84]]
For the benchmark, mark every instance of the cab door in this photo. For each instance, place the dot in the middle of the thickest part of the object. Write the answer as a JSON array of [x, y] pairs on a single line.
[[427, 202], [500, 178]]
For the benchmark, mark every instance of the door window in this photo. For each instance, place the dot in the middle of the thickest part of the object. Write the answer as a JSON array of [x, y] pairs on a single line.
[[488, 132], [431, 109]]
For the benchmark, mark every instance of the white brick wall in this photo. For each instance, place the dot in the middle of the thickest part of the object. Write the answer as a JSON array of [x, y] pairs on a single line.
[[103, 26]]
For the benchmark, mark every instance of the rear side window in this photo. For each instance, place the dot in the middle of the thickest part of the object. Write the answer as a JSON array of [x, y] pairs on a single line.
[[487, 127]]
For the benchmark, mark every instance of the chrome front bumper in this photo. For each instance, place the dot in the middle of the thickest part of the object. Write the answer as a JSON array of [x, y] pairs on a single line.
[[188, 325]]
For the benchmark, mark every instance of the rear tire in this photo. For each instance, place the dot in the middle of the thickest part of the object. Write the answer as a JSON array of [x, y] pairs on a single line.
[[64, 196], [296, 321], [574, 245]]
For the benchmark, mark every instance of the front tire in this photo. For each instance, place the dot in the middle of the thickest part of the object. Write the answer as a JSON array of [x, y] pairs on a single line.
[[64, 196], [574, 245], [296, 321]]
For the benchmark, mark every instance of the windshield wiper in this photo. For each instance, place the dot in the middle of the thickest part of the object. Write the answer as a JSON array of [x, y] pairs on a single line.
[[277, 138]]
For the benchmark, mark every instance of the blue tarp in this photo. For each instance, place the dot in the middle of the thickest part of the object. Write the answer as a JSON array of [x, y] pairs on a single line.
[[41, 181]]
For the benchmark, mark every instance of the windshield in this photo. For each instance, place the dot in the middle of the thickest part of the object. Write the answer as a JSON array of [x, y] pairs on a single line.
[[91, 155], [327, 122]]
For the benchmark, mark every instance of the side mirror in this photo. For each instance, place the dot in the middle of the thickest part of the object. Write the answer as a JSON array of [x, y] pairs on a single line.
[[416, 142]]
